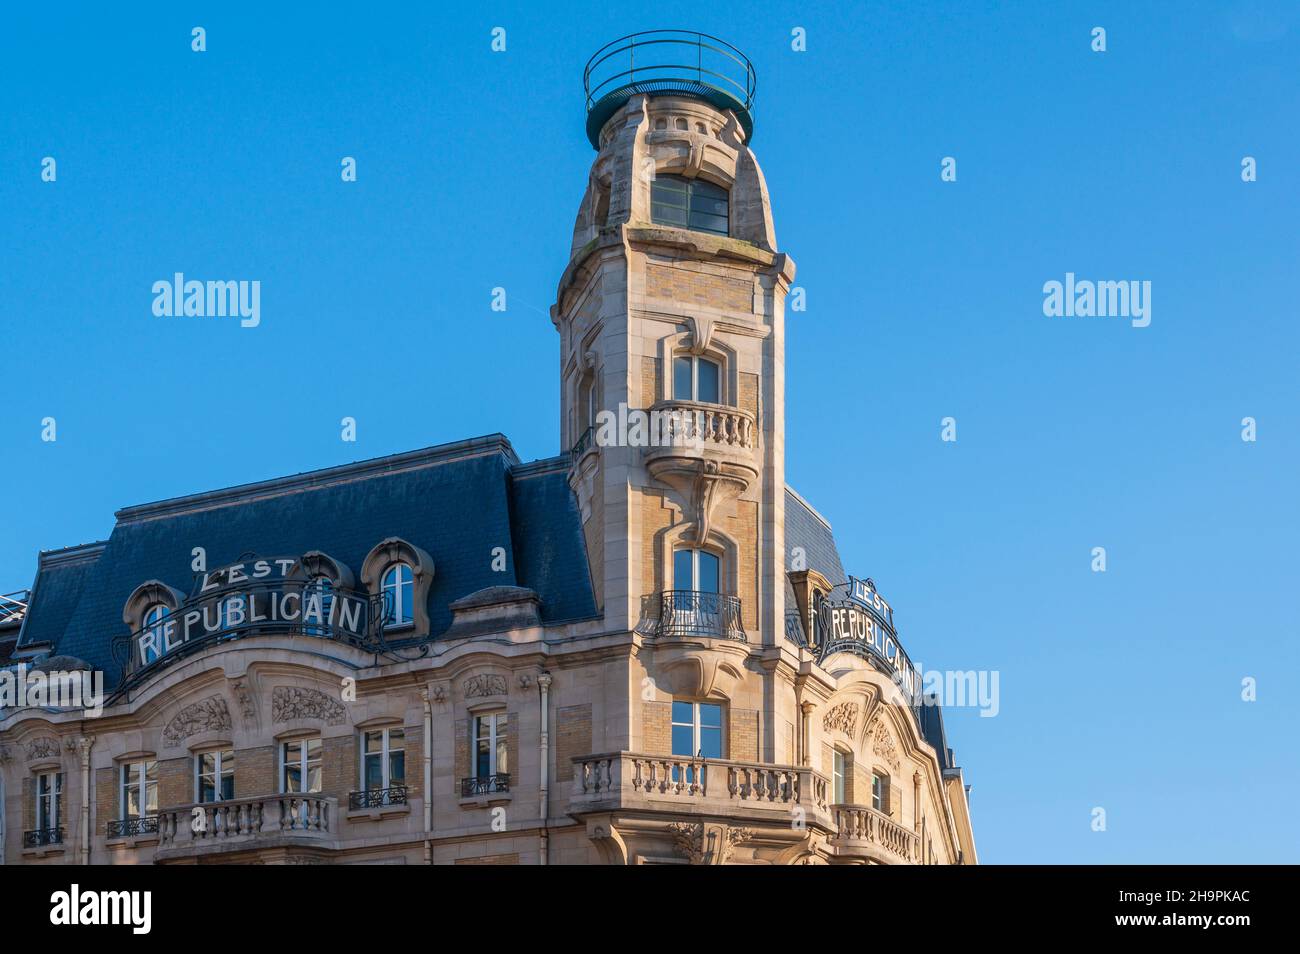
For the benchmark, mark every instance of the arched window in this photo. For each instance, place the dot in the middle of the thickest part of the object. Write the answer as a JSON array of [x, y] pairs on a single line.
[[696, 379], [153, 619], [688, 204], [318, 595], [697, 570], [398, 589]]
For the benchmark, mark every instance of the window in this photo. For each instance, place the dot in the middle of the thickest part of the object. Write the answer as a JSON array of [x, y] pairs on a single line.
[[697, 729], [383, 759], [215, 775], [592, 403], [688, 203], [697, 379], [880, 792], [837, 777], [696, 570], [138, 791], [398, 589], [318, 597], [301, 766], [491, 734], [49, 800], [155, 614]]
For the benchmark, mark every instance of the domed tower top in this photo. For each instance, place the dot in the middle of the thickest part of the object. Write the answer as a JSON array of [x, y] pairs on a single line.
[[666, 62]]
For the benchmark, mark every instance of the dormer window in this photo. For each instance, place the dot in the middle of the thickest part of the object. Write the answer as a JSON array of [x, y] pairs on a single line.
[[697, 379], [153, 619], [689, 204], [318, 599], [399, 600]]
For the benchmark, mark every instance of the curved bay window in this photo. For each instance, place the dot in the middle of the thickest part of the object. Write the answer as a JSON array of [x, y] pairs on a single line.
[[689, 204], [399, 595]]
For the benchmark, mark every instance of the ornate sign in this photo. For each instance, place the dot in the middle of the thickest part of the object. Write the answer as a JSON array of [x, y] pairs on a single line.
[[854, 618]]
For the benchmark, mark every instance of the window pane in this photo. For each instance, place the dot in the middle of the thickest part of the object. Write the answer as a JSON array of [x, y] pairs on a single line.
[[683, 740], [374, 769], [397, 768], [151, 798], [702, 189], [374, 742], [683, 713], [293, 778], [708, 581], [682, 379], [703, 222], [662, 214], [709, 384], [313, 749], [683, 570], [227, 787], [711, 742], [710, 715]]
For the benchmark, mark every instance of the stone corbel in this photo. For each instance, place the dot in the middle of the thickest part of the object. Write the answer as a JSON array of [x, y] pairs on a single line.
[[701, 333], [708, 489]]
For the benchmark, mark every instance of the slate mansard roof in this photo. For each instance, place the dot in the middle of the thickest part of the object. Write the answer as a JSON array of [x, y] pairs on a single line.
[[458, 502]]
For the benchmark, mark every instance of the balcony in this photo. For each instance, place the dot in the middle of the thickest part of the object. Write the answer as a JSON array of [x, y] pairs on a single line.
[[690, 613], [485, 785], [627, 781], [377, 798], [248, 824], [144, 825], [43, 838], [866, 833]]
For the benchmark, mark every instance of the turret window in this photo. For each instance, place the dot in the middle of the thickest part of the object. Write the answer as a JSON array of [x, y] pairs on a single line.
[[689, 204], [696, 379]]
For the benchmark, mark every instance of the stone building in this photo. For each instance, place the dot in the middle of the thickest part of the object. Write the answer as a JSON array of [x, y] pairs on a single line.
[[643, 650]]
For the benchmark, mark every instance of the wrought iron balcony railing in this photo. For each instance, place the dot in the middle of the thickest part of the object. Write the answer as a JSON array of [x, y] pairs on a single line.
[[42, 837], [377, 798], [676, 613], [484, 784], [131, 827], [667, 62], [583, 444]]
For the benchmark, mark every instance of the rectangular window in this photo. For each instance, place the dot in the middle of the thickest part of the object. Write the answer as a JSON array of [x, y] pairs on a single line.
[[49, 800], [490, 737], [837, 776], [215, 775], [138, 789], [301, 760], [697, 729], [383, 759]]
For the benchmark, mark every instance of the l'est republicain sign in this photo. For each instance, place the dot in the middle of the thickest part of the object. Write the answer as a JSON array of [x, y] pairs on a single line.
[[253, 594], [855, 618]]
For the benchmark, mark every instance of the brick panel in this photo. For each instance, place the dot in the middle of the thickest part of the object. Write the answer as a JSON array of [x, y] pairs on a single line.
[[742, 734], [698, 288], [572, 738], [656, 728]]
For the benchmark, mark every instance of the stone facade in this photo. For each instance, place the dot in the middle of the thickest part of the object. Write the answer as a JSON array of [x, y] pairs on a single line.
[[587, 705]]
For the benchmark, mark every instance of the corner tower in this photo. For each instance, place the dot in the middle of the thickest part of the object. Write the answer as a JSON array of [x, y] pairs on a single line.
[[672, 304]]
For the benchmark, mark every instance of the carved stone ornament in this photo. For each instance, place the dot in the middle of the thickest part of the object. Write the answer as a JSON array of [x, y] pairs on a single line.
[[206, 715], [844, 718], [883, 745], [46, 747], [707, 844], [484, 685], [295, 702]]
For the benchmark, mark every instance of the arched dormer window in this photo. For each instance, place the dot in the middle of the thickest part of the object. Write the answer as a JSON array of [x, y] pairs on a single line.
[[401, 574], [153, 618], [689, 204], [399, 591]]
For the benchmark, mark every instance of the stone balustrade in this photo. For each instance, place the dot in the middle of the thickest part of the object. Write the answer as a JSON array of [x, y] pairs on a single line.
[[247, 822], [692, 423], [866, 830], [677, 783]]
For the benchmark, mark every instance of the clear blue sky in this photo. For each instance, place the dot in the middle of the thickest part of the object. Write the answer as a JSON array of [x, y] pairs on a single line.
[[1119, 690]]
